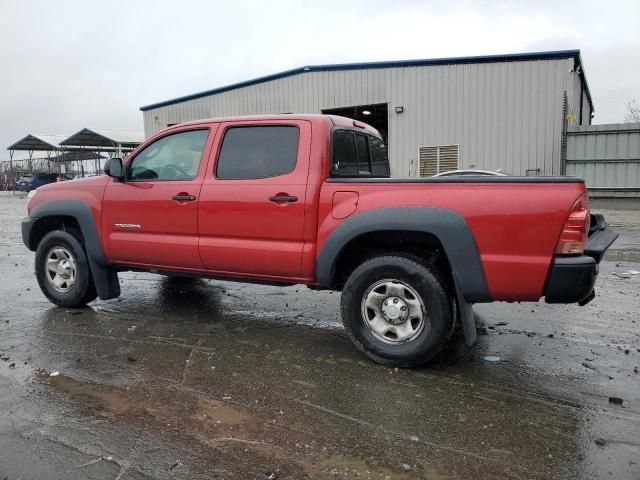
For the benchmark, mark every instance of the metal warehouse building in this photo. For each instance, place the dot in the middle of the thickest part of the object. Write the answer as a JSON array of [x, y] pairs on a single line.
[[508, 112]]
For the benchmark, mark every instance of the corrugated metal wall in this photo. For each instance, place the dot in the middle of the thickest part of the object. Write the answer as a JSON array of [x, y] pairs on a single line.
[[504, 115], [607, 157]]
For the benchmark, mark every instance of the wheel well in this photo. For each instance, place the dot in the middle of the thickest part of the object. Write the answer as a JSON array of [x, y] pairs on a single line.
[[423, 247], [50, 223]]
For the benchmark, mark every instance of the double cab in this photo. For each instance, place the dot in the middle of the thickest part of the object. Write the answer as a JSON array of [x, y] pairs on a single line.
[[308, 199]]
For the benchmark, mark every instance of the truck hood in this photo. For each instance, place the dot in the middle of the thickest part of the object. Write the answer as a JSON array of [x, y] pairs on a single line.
[[88, 190], [75, 184]]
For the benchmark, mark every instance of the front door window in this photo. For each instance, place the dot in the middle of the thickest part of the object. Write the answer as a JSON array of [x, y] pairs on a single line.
[[174, 157]]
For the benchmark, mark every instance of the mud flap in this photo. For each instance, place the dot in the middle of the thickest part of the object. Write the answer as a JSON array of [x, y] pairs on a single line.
[[105, 280], [466, 316]]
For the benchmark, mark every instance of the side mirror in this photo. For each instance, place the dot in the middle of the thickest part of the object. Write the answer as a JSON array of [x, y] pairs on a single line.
[[113, 168]]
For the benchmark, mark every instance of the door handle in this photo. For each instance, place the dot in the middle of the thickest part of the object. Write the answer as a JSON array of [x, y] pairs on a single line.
[[184, 198], [283, 199]]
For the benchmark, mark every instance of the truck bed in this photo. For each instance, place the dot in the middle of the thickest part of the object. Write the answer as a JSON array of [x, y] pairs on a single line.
[[515, 221]]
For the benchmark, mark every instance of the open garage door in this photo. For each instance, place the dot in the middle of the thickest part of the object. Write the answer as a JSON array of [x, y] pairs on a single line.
[[375, 115]]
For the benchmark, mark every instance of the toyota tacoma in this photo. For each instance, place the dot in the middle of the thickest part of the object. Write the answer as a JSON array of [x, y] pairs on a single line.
[[308, 199]]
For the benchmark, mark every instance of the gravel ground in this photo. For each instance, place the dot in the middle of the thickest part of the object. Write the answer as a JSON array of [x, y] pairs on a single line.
[[208, 379]]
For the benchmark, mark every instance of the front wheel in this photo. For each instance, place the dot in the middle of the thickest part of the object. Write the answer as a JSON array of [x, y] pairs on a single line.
[[62, 270], [397, 311]]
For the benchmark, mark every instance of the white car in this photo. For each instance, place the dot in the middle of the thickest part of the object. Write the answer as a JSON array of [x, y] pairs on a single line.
[[79, 176], [472, 173]]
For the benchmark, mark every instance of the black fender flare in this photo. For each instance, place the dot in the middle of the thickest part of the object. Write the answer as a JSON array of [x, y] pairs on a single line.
[[104, 276], [448, 226]]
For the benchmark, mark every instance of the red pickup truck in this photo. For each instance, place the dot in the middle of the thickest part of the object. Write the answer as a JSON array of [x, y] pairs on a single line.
[[307, 199]]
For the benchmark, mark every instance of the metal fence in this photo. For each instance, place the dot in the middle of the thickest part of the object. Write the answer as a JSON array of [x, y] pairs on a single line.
[[66, 164], [607, 157]]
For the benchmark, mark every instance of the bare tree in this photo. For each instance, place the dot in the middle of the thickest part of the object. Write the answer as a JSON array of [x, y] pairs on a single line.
[[633, 112]]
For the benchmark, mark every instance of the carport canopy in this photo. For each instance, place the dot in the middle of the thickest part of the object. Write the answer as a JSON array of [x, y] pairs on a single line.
[[77, 156], [109, 140], [38, 143]]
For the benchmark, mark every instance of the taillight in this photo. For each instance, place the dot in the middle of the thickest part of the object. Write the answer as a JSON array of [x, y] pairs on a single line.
[[576, 229]]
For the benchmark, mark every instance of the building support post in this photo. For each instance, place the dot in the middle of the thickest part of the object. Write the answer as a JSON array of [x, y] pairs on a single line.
[[563, 140]]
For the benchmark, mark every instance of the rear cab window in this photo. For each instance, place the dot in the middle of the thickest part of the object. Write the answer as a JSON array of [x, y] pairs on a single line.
[[358, 154]]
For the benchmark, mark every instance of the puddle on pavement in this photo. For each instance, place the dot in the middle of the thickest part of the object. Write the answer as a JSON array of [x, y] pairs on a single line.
[[218, 412], [214, 423], [161, 404], [343, 467]]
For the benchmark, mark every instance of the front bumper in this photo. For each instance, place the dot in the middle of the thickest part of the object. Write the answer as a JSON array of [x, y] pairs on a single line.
[[572, 279], [26, 227]]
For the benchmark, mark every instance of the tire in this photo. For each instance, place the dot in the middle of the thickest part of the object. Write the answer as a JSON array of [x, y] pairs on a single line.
[[372, 324], [71, 284]]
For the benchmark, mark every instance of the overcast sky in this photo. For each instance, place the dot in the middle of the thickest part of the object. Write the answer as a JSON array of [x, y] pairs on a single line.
[[69, 64]]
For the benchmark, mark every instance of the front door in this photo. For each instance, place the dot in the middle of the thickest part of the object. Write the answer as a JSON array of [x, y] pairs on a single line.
[[151, 218], [253, 199]]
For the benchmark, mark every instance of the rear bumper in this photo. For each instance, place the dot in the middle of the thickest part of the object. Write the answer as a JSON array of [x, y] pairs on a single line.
[[599, 242], [572, 278]]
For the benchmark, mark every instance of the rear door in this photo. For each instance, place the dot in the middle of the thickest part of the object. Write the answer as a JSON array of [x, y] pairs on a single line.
[[152, 217], [252, 203]]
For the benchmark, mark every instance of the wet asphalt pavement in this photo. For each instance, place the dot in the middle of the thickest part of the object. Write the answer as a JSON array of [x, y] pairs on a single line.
[[208, 379]]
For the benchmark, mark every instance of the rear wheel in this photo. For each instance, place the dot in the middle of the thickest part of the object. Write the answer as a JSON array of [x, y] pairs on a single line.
[[62, 270], [397, 311]]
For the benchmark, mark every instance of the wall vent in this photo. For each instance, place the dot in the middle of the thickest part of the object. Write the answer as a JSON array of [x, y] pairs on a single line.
[[438, 159]]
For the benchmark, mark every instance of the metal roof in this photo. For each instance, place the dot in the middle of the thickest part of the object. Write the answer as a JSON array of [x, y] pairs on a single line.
[[37, 142], [77, 155], [94, 137], [511, 57]]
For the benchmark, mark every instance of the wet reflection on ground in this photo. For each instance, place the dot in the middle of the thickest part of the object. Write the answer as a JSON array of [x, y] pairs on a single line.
[[194, 378]]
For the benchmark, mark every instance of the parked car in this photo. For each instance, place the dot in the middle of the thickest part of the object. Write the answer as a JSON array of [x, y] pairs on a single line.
[[472, 173], [307, 199], [79, 176], [29, 182]]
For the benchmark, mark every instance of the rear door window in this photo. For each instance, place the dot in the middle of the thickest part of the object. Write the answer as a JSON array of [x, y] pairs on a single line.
[[258, 152]]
